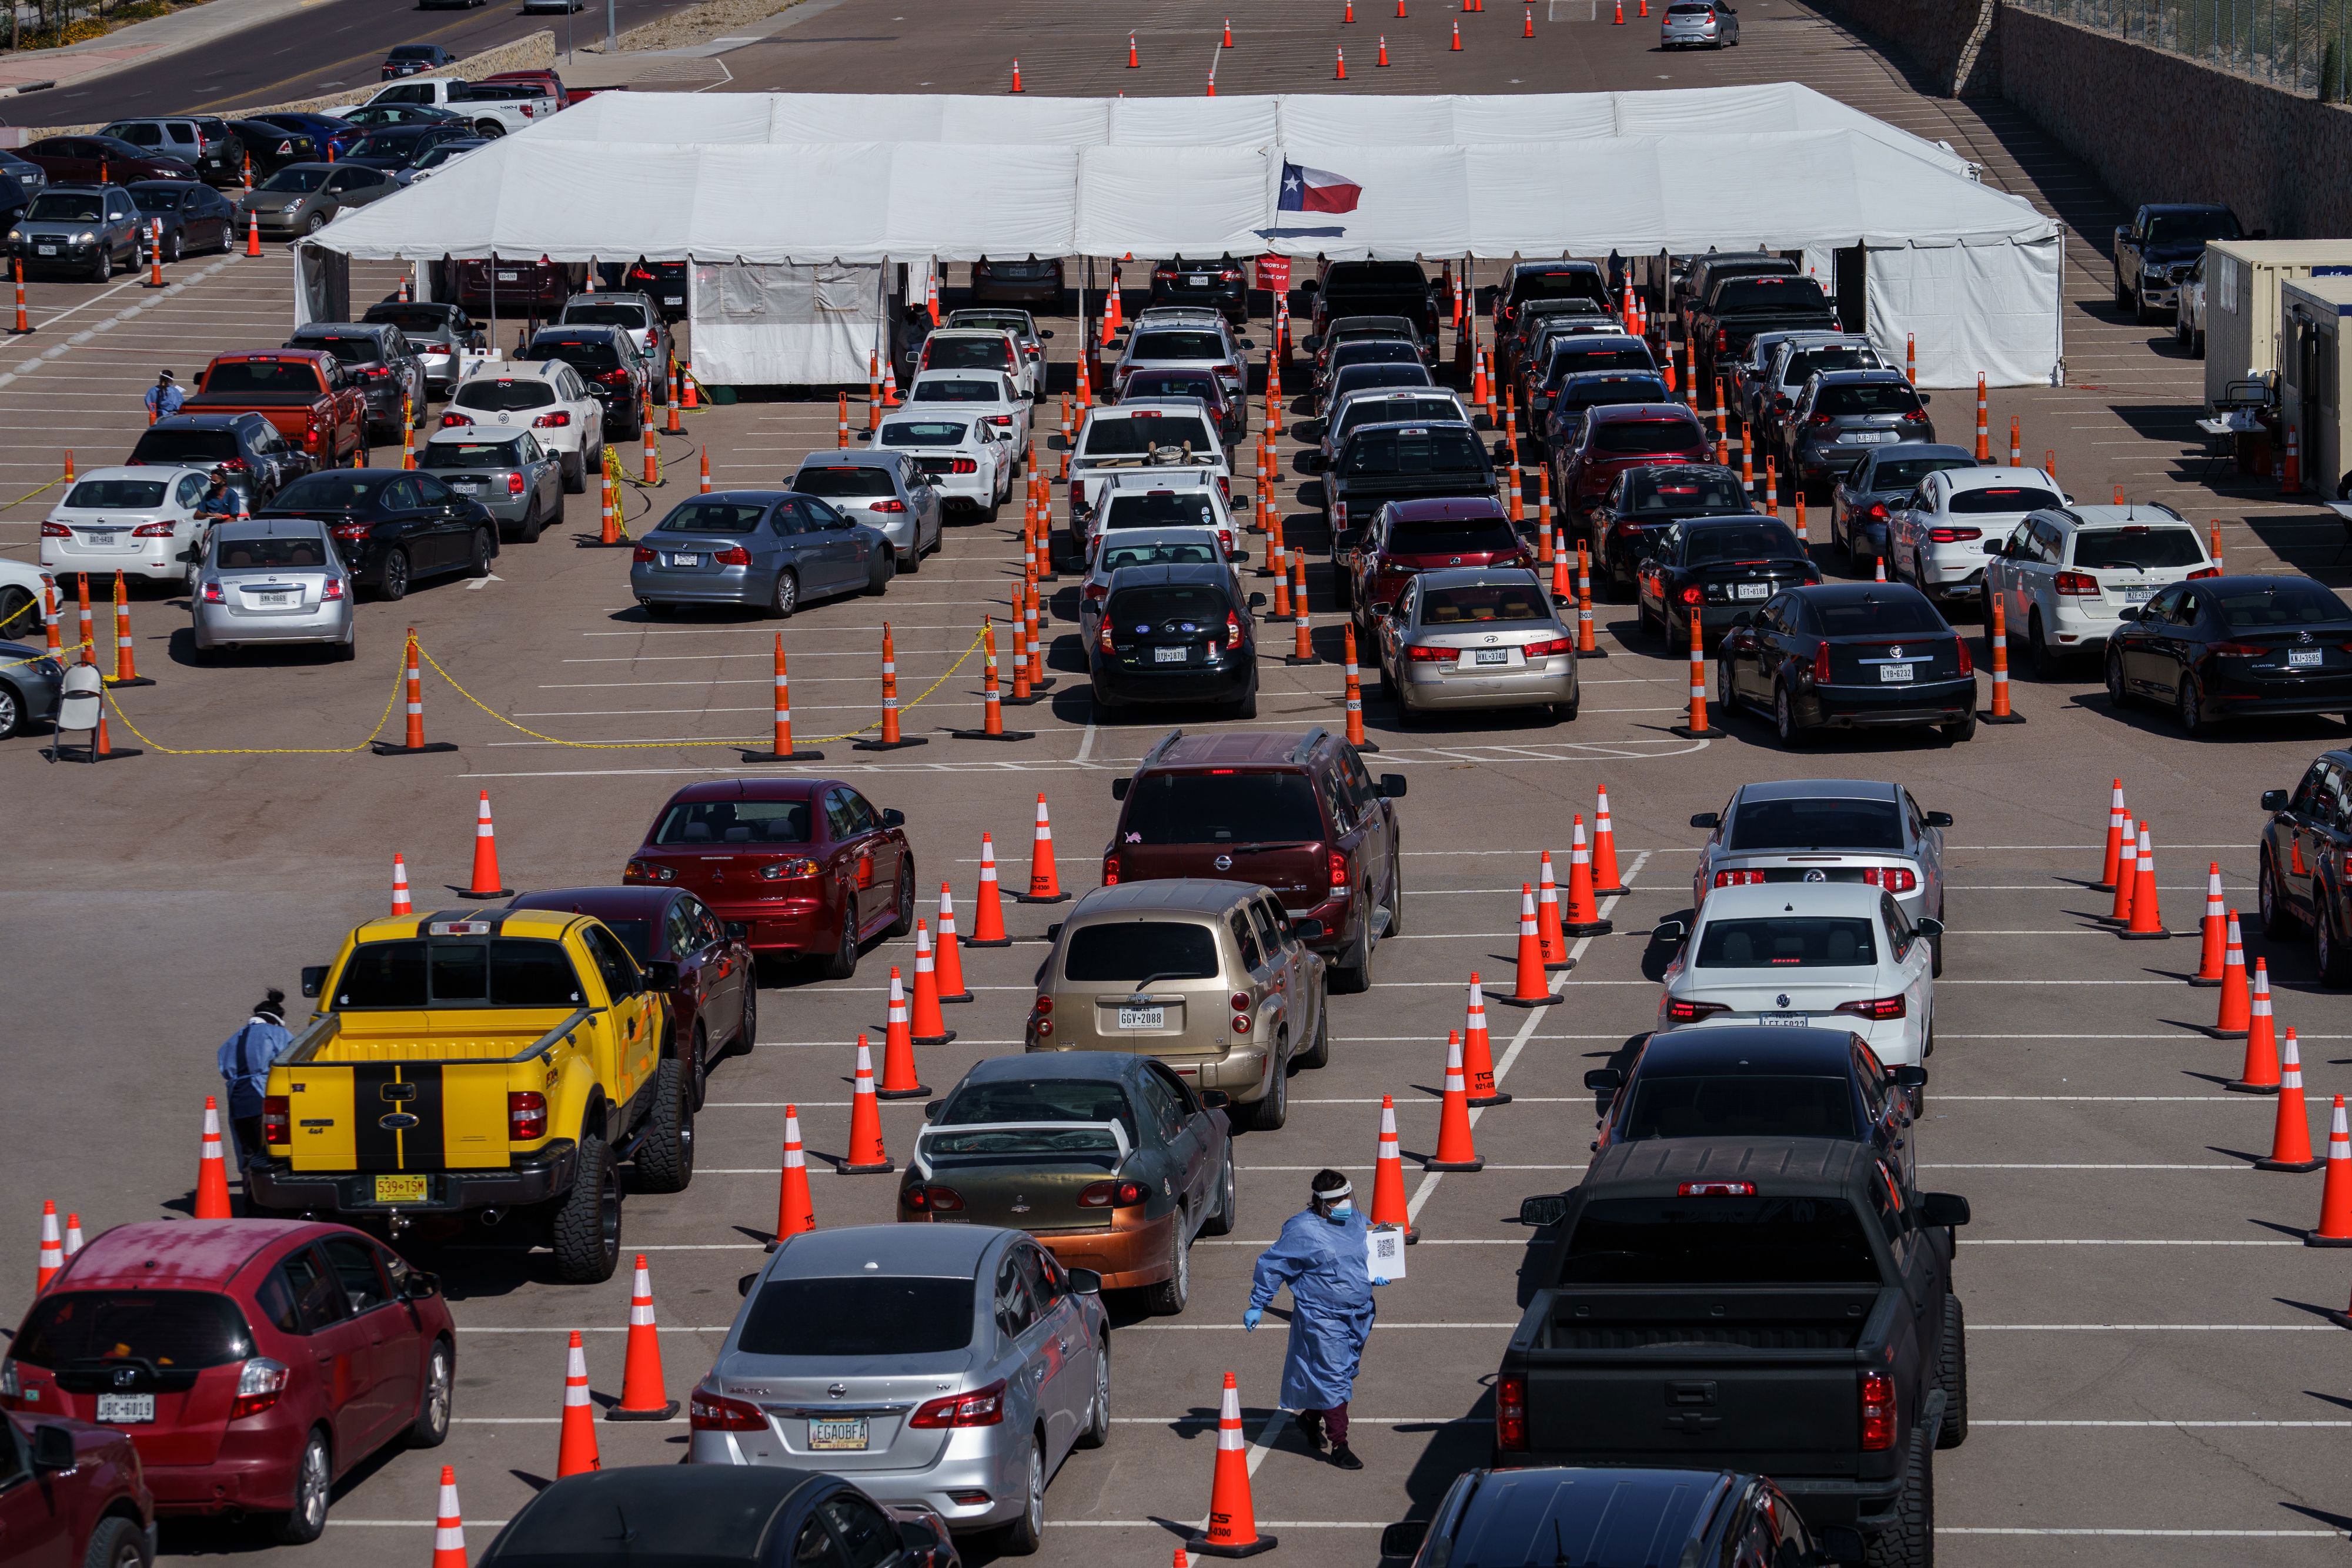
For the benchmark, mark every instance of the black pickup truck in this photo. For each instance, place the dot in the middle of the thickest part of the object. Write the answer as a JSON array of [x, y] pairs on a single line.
[[1739, 307], [1398, 462], [1373, 288], [1781, 1306]]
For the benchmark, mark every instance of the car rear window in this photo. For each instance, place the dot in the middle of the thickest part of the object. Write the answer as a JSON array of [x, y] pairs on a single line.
[[1684, 494], [504, 972], [1169, 609], [1565, 283], [734, 822], [1138, 433], [1395, 410], [153, 201], [1908, 615], [290, 377], [1220, 807], [1375, 278], [1164, 509], [1867, 397], [1374, 351], [1758, 1240], [1760, 1106], [1126, 951], [2135, 548], [714, 517], [847, 482], [470, 454], [2004, 499], [349, 350], [1598, 391], [1901, 474], [1164, 554], [331, 492], [2251, 607], [236, 554], [582, 353], [1648, 438], [201, 447], [602, 315], [1173, 383], [118, 493], [1360, 378], [409, 319], [1450, 535], [1572, 357], [1165, 345], [1816, 824], [1788, 942], [504, 396], [940, 388], [1508, 602], [176, 1329], [967, 353], [1837, 356], [1741, 541], [1417, 449], [924, 432], [860, 1317], [1775, 293]]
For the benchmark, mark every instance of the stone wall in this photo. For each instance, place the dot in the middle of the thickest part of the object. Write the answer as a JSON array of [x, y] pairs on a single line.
[[1949, 43]]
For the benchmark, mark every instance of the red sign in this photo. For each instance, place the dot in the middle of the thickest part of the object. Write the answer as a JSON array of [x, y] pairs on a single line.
[[1274, 273]]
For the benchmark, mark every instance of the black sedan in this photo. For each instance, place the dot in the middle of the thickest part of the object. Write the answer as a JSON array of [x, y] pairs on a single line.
[[1858, 505], [1175, 634], [194, 217], [716, 1516], [1848, 656], [2233, 647], [269, 147], [1750, 1082], [1640, 501], [1195, 281], [2306, 848], [1719, 567], [393, 528], [396, 147]]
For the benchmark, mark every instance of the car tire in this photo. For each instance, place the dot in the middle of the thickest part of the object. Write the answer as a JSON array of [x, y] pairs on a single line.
[[344, 651], [664, 1158], [392, 577], [1784, 718], [1318, 1051], [698, 1067], [431, 1428], [490, 129], [117, 1542], [2048, 666], [485, 546], [20, 614], [885, 567], [1167, 1298], [573, 467], [1343, 591], [785, 597], [172, 251], [1227, 1214], [747, 1028], [1267, 1112], [1024, 1535], [585, 1233], [843, 963], [314, 1475], [2334, 961], [913, 562], [527, 532], [1395, 904], [313, 224], [1911, 1543], [11, 712], [2278, 922], [903, 922], [1353, 979], [2189, 705], [1961, 731], [2123, 294], [1724, 697], [2119, 696], [1247, 707], [1952, 1376]]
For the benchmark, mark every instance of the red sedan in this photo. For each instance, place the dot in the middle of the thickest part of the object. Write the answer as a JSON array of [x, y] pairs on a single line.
[[807, 866], [252, 1362]]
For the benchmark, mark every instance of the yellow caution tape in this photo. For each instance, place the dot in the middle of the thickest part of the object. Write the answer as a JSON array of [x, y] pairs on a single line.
[[30, 493], [61, 656], [399, 678]]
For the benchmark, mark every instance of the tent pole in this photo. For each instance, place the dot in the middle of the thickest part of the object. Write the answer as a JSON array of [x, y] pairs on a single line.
[[2058, 314]]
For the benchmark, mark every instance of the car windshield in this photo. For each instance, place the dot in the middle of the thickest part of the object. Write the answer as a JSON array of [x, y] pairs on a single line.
[[1137, 434], [1909, 616], [602, 315], [1484, 602], [504, 396], [1202, 553], [713, 518], [858, 1316], [2179, 228], [1168, 345], [1816, 822], [2136, 547], [1758, 540], [1172, 609], [1572, 357], [733, 822], [114, 494], [1126, 952], [1902, 473], [924, 432], [1683, 493], [504, 972], [1595, 391], [200, 448], [446, 151], [63, 207], [1416, 450], [1719, 1240], [1238, 808], [294, 377], [302, 178], [1648, 438], [1787, 942], [183, 1331], [1835, 357], [1758, 1106], [1780, 292], [471, 454], [1042, 1100], [1159, 509], [1867, 397], [154, 201], [582, 353], [847, 482], [350, 350], [409, 318], [2255, 606], [967, 353], [1450, 535], [269, 553], [940, 388], [2003, 498]]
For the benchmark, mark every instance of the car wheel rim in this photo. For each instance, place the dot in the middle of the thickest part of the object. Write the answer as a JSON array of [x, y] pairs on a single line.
[[1036, 1506], [608, 1211], [436, 1394], [396, 576], [1782, 714], [7, 711], [750, 1033], [787, 593], [2115, 680], [1102, 1388], [2263, 895], [314, 1485]]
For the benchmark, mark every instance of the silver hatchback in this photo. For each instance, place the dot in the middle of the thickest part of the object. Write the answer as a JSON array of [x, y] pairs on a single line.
[[272, 580], [950, 1365], [1702, 23], [515, 479]]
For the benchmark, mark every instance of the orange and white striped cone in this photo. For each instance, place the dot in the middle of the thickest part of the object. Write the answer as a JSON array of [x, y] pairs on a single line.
[[2260, 1075], [252, 234], [575, 1448], [796, 1209], [414, 743], [1529, 989], [53, 1248], [1232, 1529], [866, 1156], [1586, 648], [1456, 1151], [73, 1235], [891, 740], [485, 856], [642, 1397], [1302, 647], [1696, 726], [2291, 1133], [1044, 882], [948, 960], [987, 904], [126, 654], [2215, 929], [1354, 697], [1389, 1206], [400, 901], [992, 727], [1997, 639], [2117, 819], [2232, 1019], [212, 1169], [1582, 917], [1606, 881], [2127, 879], [898, 1079], [929, 1027], [703, 459], [782, 748], [1548, 933], [448, 1524], [2335, 1197], [1478, 1050], [2147, 918]]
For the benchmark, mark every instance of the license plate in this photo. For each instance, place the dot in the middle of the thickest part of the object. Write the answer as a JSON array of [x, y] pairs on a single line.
[[466, 484], [1785, 1020], [1491, 655], [508, 277], [125, 1409], [400, 1189], [1751, 590], [686, 560], [838, 1434], [274, 598], [1873, 436], [2302, 658], [45, 249], [1894, 672], [2140, 594], [1169, 655], [1196, 282], [1143, 1017]]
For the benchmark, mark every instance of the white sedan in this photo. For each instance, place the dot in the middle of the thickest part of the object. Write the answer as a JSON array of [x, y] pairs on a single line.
[[1935, 535], [24, 591], [1807, 954], [968, 460], [139, 521], [990, 397]]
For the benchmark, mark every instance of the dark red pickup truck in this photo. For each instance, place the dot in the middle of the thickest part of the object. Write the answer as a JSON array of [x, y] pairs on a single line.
[[304, 394]]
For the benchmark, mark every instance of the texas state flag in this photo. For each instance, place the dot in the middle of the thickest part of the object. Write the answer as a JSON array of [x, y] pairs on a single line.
[[1305, 190]]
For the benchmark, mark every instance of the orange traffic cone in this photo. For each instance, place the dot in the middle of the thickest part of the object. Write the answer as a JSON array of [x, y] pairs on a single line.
[[1233, 1520], [2118, 819], [1606, 882], [73, 1235], [891, 740], [2216, 925], [866, 1156], [1388, 1206], [2260, 1073], [1044, 882], [988, 907], [2335, 1197], [1529, 989], [1455, 1151], [212, 1170], [2147, 919], [1453, 48], [575, 1449], [485, 856], [1342, 74], [53, 1249], [2127, 879], [929, 1027], [781, 748], [1478, 1050], [898, 1079], [1583, 917], [795, 1209], [448, 1524], [1016, 76], [948, 961], [2291, 1137], [2231, 1021], [252, 234], [400, 903], [1384, 59], [1547, 935], [1527, 28], [1132, 62], [642, 1398], [1696, 727]]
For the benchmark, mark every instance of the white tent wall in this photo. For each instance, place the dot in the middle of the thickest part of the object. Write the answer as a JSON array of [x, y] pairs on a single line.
[[1975, 310], [786, 325]]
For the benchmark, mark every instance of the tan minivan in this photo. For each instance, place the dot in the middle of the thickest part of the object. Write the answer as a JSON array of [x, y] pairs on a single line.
[[1208, 976]]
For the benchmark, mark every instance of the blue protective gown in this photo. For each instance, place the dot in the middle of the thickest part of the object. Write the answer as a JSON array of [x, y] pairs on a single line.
[[1322, 1261]]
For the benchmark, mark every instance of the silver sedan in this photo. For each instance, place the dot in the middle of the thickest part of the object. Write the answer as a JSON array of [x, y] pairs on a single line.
[[949, 1365], [518, 482], [758, 549], [1477, 637], [272, 580]]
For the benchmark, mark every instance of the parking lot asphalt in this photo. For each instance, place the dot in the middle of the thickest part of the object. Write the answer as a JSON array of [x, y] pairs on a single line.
[[2154, 1380]]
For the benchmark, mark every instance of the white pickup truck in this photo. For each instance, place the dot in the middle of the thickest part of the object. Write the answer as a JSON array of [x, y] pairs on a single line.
[[494, 107], [1143, 435]]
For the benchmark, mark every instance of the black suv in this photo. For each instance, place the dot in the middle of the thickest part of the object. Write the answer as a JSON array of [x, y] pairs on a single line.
[[1296, 813], [608, 361], [376, 355], [2307, 847], [1220, 283], [243, 448], [1175, 634]]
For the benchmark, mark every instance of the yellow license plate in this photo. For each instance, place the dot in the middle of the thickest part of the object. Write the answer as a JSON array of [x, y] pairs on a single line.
[[400, 1189]]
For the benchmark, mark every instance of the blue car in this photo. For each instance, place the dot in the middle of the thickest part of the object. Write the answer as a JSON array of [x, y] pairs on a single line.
[[324, 130]]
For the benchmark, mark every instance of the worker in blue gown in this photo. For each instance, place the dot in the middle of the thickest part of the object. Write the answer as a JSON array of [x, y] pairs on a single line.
[[1321, 1256]]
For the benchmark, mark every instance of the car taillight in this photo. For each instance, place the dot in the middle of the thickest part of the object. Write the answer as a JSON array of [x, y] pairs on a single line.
[[780, 871], [964, 465], [1877, 1412], [1042, 1016], [560, 419], [1822, 420], [514, 484], [1339, 870], [55, 531], [332, 592], [733, 555], [648, 871], [277, 1120], [1163, 275], [1110, 869], [1225, 538], [2237, 650], [2205, 571], [1721, 342], [612, 376], [1078, 497], [1893, 878], [1241, 1023], [1878, 1009], [1716, 1189], [981, 1407], [1226, 487], [931, 1199], [1511, 1411], [1693, 595], [1094, 592], [452, 419], [1420, 655], [2078, 584], [1916, 416], [641, 556], [1004, 419], [1112, 1195], [1232, 631], [1952, 536], [893, 505], [525, 1116], [716, 1413], [1739, 878], [213, 594], [1229, 275], [151, 531], [1968, 660], [352, 533], [1877, 511], [260, 1382], [374, 372], [1680, 1011], [1103, 640], [1822, 665]]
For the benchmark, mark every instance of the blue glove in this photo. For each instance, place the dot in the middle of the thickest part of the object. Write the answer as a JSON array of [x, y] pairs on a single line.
[[1378, 1280], [1250, 1318]]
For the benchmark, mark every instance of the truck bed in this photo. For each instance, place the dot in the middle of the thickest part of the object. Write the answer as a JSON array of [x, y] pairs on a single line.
[[442, 1036]]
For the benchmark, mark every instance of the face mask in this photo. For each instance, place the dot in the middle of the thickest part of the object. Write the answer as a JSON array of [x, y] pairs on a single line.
[[1342, 1210]]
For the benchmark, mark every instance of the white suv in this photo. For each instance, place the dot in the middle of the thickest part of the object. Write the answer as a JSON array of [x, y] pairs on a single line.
[[2064, 573], [1935, 535], [548, 398]]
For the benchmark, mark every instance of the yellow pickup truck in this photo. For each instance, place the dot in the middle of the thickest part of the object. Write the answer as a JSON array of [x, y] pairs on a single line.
[[498, 1064]]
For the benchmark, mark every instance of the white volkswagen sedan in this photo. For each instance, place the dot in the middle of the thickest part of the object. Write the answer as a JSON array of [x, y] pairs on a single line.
[[968, 460], [1810, 954], [1935, 535], [141, 522]]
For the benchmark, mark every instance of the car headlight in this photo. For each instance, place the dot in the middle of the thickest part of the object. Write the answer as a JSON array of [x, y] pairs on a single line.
[[290, 207], [15, 235], [86, 237]]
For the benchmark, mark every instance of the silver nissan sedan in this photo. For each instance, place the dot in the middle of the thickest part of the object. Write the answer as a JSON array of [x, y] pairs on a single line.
[[272, 580], [1477, 637], [950, 1365]]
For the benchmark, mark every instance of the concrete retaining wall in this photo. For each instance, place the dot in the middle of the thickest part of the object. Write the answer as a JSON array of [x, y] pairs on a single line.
[[1931, 36]]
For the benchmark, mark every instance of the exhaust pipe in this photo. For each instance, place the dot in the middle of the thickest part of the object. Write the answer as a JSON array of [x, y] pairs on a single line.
[[491, 1218]]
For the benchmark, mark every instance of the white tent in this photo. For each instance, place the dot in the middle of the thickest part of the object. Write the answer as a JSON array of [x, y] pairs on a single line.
[[776, 179]]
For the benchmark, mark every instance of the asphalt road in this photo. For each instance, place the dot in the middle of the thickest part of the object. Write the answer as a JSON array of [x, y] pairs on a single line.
[[2147, 1386]]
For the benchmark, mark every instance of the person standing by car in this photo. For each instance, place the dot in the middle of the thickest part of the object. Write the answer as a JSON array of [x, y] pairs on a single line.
[[1321, 1256], [164, 398], [245, 1058]]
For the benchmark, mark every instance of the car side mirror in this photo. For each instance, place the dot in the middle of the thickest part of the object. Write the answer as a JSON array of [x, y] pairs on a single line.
[[1706, 819], [1306, 930], [421, 1286], [1939, 819], [743, 1286], [661, 974], [1502, 451], [1256, 600], [1053, 932], [1043, 333], [1910, 1077], [893, 818], [1119, 786], [1312, 343], [1403, 1540], [1995, 547], [1392, 786], [2260, 233], [2273, 800], [1548, 1209], [1313, 462], [314, 976], [2129, 613], [1215, 1099], [1603, 1080], [1669, 931], [1938, 1209], [931, 1109], [1840, 1543], [1085, 1281], [1745, 618], [1247, 342], [53, 1450], [1928, 926], [739, 931]]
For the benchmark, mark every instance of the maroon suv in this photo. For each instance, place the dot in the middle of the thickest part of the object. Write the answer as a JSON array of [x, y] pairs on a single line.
[[1408, 537], [1618, 436], [1295, 813], [72, 1496]]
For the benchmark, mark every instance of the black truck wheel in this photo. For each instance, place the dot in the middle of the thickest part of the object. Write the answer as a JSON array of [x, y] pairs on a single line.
[[664, 1159], [1911, 1544], [1952, 1376], [586, 1231]]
